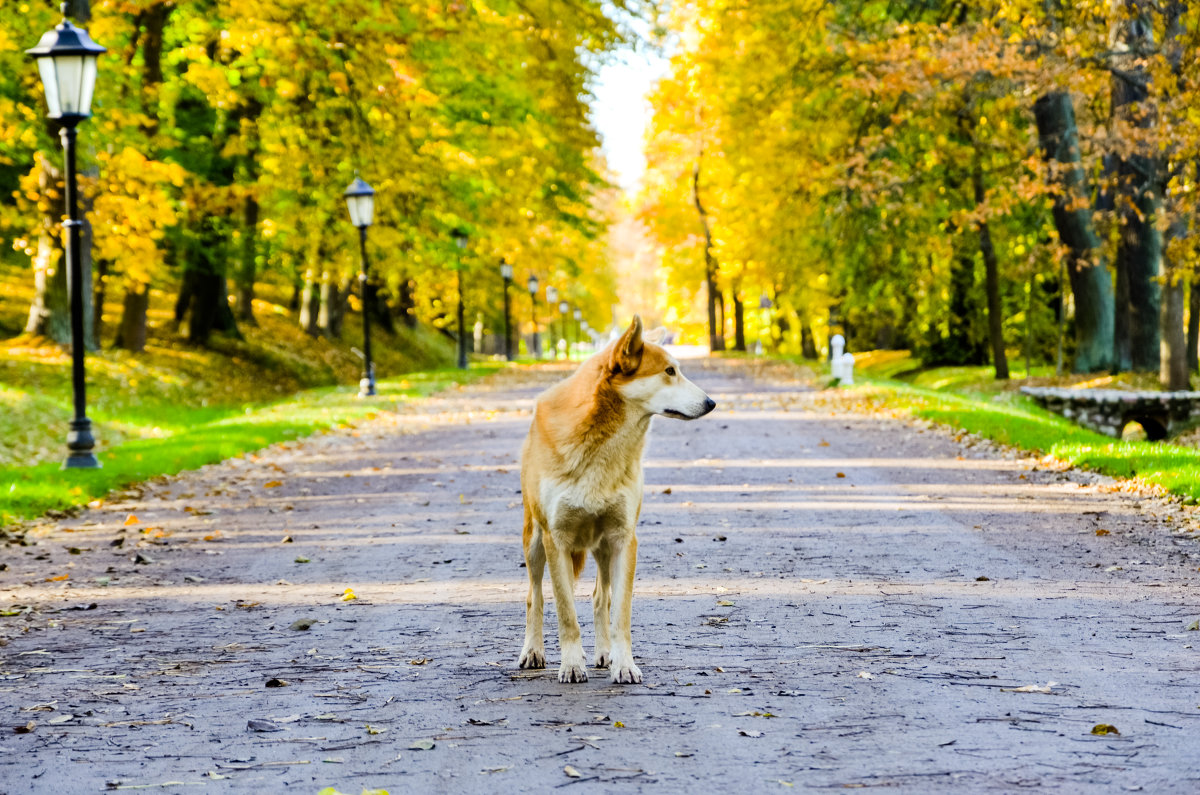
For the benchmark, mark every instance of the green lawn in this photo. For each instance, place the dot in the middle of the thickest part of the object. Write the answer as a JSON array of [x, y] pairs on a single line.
[[189, 436], [970, 399]]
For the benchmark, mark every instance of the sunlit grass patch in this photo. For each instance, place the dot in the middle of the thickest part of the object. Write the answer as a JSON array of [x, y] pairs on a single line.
[[196, 436], [1011, 419]]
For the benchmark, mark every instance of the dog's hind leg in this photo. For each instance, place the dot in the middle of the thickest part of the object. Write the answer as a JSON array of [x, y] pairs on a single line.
[[624, 561], [572, 668], [533, 653], [601, 599]]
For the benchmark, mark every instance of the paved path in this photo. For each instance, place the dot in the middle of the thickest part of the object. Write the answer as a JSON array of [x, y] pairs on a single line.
[[823, 601]]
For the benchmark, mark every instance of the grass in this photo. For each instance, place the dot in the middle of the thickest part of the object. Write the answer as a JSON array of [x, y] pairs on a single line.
[[177, 406], [970, 399], [202, 435]]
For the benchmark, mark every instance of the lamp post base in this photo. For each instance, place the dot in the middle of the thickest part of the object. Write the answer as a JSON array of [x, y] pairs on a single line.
[[81, 442], [366, 387]]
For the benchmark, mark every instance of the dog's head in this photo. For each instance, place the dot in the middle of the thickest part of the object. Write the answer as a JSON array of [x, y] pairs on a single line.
[[647, 376]]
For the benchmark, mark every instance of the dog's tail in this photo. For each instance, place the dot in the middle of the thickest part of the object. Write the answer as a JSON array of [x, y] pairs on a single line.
[[578, 558]]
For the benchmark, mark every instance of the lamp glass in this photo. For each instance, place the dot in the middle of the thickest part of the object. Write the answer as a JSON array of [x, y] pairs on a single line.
[[460, 239], [551, 294], [50, 84], [360, 201], [563, 307], [533, 284], [506, 271]]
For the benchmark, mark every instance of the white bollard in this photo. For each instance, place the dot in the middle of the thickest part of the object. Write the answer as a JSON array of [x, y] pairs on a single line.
[[847, 369], [837, 344]]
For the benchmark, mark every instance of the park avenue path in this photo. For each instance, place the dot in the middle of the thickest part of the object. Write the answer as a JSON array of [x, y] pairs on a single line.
[[824, 600]]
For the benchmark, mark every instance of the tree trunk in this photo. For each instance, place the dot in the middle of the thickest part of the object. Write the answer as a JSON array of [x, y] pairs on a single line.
[[1174, 365], [716, 334], [375, 302], [1059, 140], [204, 293], [247, 273], [1140, 243], [406, 303], [739, 322], [50, 313], [333, 306], [1193, 327], [310, 303], [131, 332], [992, 274], [98, 297], [808, 346]]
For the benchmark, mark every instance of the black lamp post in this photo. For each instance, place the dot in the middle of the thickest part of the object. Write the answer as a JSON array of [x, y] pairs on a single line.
[[551, 301], [66, 59], [533, 285], [563, 309], [360, 201], [506, 273], [460, 240]]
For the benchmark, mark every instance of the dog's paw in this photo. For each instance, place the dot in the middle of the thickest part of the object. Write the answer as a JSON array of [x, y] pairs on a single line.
[[625, 673], [572, 673], [602, 659], [532, 658]]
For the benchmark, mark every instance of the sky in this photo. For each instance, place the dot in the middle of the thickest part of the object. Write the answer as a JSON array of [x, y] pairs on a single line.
[[621, 112]]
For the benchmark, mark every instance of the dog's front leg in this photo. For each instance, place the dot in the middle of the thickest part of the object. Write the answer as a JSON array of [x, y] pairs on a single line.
[[533, 653], [562, 577], [624, 562], [601, 598]]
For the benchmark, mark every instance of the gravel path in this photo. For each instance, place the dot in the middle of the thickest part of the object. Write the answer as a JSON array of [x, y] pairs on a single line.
[[823, 601]]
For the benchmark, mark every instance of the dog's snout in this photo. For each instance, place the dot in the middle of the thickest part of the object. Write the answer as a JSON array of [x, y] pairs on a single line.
[[709, 405]]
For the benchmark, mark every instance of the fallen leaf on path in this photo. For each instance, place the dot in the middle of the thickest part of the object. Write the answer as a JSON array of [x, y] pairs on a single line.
[[286, 540], [724, 603], [572, 772], [303, 559], [1192, 627], [348, 594], [1105, 728], [130, 520], [865, 675], [1046, 688], [213, 536], [302, 624], [619, 724], [745, 733], [420, 661], [841, 474], [1103, 532], [277, 683], [256, 725], [26, 729], [59, 578], [214, 775], [67, 716], [683, 754], [422, 745], [272, 484], [373, 730]]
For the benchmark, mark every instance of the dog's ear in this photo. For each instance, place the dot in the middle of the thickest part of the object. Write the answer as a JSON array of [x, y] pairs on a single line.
[[627, 354], [656, 336]]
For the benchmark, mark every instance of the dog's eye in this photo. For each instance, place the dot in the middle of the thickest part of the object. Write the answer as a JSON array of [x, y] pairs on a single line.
[[670, 371]]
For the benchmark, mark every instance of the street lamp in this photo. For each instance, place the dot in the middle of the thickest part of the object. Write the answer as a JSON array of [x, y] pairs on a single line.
[[506, 273], [533, 285], [360, 201], [551, 300], [460, 240], [563, 309], [66, 59]]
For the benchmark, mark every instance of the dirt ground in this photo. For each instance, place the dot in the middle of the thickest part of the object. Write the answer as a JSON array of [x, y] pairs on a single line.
[[823, 600]]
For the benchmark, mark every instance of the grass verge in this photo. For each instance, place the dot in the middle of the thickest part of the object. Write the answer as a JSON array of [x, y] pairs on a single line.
[[205, 437], [975, 403]]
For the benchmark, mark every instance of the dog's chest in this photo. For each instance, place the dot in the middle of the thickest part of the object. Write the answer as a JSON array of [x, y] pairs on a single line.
[[597, 498]]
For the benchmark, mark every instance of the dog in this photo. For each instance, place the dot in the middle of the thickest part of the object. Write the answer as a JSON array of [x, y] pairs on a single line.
[[581, 482]]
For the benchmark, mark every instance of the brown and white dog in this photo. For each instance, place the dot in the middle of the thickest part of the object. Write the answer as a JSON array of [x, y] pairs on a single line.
[[581, 477]]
